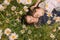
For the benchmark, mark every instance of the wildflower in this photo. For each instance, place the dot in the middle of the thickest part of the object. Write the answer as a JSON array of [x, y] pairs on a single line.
[[7, 2], [21, 1], [49, 22], [57, 19], [25, 8], [24, 27], [28, 1], [49, 14], [2, 7], [13, 8], [7, 31], [13, 36], [18, 19], [52, 36], [18, 1], [29, 31], [54, 30], [20, 12], [22, 31]]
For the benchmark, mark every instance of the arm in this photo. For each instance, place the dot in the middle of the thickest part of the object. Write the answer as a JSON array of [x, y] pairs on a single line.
[[35, 5]]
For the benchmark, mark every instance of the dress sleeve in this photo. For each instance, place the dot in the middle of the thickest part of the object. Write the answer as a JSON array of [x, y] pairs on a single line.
[[42, 5]]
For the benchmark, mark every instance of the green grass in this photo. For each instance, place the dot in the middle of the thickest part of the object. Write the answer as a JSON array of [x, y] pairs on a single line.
[[42, 33]]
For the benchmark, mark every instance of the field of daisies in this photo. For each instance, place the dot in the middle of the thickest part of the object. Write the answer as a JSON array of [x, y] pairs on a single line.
[[11, 27]]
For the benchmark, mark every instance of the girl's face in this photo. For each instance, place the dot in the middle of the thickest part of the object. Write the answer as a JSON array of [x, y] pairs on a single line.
[[31, 19], [39, 12]]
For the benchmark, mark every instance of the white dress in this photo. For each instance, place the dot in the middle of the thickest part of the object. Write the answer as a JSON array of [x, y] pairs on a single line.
[[49, 5]]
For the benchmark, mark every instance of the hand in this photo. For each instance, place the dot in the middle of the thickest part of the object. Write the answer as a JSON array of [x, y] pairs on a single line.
[[35, 4], [32, 7]]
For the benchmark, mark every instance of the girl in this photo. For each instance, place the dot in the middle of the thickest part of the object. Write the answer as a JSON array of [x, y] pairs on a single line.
[[50, 6]]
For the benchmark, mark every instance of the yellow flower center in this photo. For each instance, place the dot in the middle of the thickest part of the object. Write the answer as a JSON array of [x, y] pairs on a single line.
[[8, 32], [28, 0], [18, 1], [9, 0], [46, 6], [13, 37]]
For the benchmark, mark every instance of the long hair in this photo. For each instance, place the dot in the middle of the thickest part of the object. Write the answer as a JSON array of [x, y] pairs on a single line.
[[23, 20]]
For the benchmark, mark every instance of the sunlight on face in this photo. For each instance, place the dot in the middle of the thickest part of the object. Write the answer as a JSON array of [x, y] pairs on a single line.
[[31, 19], [39, 12]]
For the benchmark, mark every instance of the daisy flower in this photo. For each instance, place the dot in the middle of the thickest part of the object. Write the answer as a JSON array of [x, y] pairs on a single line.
[[21, 1], [13, 36], [29, 31], [1, 7], [52, 36], [49, 22], [18, 1], [22, 31], [25, 8], [7, 2], [49, 14], [57, 19], [21, 12], [7, 31], [0, 33], [54, 30], [28, 1], [13, 8], [24, 27]]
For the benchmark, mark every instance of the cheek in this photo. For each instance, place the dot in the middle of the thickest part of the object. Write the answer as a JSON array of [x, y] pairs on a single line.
[[28, 19], [36, 20]]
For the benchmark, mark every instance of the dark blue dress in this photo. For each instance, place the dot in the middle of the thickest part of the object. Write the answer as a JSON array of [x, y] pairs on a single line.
[[44, 19]]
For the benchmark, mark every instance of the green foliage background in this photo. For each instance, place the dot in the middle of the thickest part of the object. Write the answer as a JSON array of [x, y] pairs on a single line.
[[42, 33]]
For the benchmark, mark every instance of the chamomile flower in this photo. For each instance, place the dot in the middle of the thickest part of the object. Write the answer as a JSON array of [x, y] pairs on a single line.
[[7, 2], [19, 1], [7, 31], [57, 19], [0, 33], [2, 7], [52, 36], [13, 36], [54, 30], [22, 31], [24, 27], [21, 12], [49, 22], [49, 14], [29, 31], [25, 8], [13, 8], [28, 1]]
